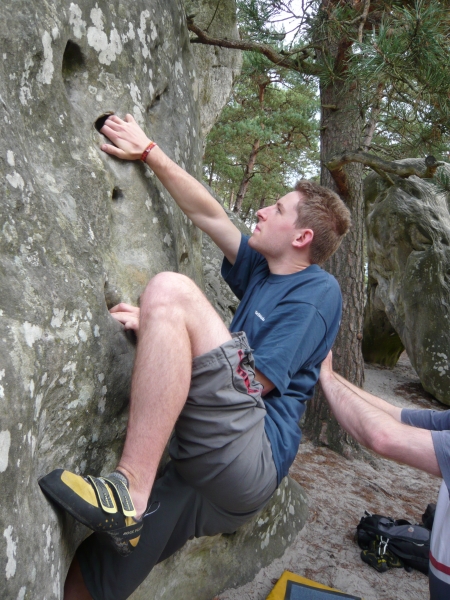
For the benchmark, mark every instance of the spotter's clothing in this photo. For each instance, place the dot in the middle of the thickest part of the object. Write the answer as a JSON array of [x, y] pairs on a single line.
[[439, 425]]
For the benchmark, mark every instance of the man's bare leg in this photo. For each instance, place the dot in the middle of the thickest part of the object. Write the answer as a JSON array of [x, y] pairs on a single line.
[[177, 323]]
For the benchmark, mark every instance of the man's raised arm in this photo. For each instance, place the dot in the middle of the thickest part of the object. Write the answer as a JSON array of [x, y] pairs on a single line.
[[194, 200]]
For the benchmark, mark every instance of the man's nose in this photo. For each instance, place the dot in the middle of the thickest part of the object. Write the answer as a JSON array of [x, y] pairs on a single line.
[[261, 213]]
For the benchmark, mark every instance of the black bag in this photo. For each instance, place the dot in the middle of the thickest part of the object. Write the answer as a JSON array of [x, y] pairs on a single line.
[[428, 516], [388, 543]]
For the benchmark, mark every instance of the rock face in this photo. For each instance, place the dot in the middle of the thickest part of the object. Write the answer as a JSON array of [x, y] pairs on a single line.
[[80, 231], [408, 227]]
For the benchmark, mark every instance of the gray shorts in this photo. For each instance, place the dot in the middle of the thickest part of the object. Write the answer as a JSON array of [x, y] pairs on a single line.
[[221, 473]]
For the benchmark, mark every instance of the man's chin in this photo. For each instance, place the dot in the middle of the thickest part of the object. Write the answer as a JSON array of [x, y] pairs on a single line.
[[252, 242]]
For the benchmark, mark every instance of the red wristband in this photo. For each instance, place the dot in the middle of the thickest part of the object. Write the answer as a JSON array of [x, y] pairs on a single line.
[[147, 150]]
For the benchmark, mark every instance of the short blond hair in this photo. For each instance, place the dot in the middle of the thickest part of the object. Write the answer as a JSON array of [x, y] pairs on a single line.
[[321, 210]]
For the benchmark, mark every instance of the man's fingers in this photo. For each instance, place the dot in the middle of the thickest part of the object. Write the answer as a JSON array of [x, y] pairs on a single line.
[[125, 135], [114, 151], [124, 317], [132, 324], [124, 307], [128, 320], [327, 365], [116, 125], [114, 119]]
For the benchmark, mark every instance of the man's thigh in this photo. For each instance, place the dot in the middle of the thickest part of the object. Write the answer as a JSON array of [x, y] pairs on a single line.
[[181, 299], [220, 446]]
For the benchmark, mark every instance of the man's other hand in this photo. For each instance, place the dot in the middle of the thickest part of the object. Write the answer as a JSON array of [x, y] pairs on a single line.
[[128, 138], [128, 315]]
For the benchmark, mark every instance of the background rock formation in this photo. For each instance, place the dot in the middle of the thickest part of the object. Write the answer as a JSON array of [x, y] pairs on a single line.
[[216, 67], [408, 233], [81, 231]]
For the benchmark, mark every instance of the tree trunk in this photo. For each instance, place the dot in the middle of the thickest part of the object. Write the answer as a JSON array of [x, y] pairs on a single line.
[[341, 129], [231, 200], [211, 174], [248, 173]]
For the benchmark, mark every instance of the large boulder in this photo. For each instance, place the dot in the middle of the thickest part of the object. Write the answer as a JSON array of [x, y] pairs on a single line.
[[80, 231], [408, 243]]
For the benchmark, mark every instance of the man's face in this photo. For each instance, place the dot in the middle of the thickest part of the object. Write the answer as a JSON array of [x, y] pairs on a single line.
[[276, 230]]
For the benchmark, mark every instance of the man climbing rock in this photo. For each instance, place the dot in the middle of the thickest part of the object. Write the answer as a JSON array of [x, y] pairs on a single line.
[[234, 400], [418, 438]]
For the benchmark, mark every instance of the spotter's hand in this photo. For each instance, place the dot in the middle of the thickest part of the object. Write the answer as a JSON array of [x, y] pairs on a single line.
[[128, 138], [326, 368]]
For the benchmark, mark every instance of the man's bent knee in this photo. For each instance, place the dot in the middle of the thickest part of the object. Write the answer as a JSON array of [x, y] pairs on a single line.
[[168, 287], [172, 297]]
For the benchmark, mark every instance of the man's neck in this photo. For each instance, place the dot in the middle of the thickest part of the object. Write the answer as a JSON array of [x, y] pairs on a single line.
[[287, 266]]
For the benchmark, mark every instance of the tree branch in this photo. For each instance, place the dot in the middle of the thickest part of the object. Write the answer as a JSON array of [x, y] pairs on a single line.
[[372, 124], [379, 165], [363, 20], [298, 65]]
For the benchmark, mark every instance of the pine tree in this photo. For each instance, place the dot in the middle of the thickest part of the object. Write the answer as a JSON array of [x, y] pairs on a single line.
[[265, 137]]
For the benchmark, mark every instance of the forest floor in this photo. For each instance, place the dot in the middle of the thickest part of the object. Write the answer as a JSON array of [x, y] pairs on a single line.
[[339, 491]]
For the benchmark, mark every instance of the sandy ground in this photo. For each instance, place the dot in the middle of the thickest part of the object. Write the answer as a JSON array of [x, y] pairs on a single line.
[[339, 491]]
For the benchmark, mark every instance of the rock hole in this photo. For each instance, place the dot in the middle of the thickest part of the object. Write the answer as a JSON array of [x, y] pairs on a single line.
[[184, 258], [154, 103], [101, 120], [117, 194], [156, 100], [73, 60], [112, 296]]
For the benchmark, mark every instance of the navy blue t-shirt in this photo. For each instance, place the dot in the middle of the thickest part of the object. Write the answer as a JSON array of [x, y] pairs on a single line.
[[291, 322]]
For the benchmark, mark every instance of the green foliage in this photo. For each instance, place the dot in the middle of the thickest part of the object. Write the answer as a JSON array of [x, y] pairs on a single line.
[[397, 54], [273, 117], [402, 51]]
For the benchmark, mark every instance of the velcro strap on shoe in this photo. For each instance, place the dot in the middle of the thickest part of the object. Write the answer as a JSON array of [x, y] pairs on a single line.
[[104, 494], [123, 494]]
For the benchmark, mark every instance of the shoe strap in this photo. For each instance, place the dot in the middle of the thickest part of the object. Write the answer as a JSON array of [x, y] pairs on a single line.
[[122, 493], [104, 494]]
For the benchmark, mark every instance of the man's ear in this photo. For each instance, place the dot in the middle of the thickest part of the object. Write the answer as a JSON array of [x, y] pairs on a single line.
[[303, 238]]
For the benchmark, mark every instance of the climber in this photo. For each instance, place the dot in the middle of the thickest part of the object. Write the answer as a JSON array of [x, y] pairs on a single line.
[[234, 400]]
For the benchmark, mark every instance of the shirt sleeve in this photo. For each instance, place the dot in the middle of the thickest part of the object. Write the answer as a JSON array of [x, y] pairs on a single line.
[[441, 442], [238, 275], [439, 424], [291, 339], [434, 420]]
